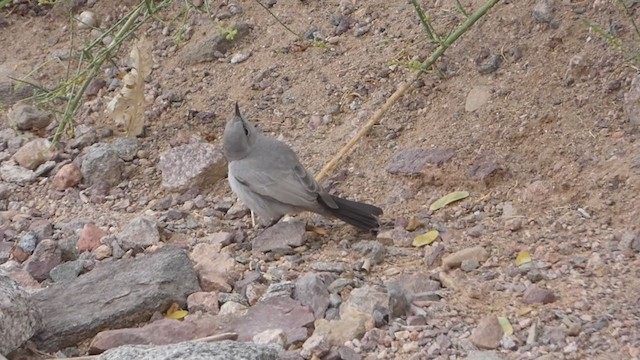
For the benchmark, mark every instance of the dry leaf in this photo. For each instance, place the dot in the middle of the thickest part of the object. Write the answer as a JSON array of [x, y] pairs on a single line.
[[175, 312], [426, 238], [319, 230], [505, 325], [448, 199], [523, 258], [524, 310], [127, 107]]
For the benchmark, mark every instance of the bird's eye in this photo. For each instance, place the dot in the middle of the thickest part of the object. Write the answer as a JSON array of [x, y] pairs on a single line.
[[246, 131]]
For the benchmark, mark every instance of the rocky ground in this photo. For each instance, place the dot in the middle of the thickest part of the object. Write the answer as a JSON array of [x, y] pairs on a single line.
[[532, 112]]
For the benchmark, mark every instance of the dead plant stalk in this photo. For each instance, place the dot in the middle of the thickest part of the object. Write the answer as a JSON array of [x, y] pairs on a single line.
[[403, 87]]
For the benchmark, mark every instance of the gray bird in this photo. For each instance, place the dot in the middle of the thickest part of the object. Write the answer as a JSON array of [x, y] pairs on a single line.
[[267, 176]]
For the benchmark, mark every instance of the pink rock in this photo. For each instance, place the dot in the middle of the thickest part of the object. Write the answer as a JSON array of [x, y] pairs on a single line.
[[206, 302], [279, 312], [214, 268], [537, 295], [487, 334], [161, 332], [68, 176], [23, 278], [90, 238], [46, 256]]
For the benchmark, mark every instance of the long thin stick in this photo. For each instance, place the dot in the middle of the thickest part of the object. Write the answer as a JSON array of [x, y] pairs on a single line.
[[403, 87]]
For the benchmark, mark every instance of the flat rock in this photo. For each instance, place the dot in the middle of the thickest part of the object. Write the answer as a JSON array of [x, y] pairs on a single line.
[[414, 161], [214, 46], [34, 153], [455, 260], [203, 301], [281, 238], [19, 317], [275, 313], [487, 334], [417, 283], [27, 117], [139, 233], [225, 350], [271, 336], [214, 267], [365, 299], [631, 103], [374, 250], [16, 174], [102, 163], [195, 164], [311, 290], [46, 256], [114, 295], [160, 332], [397, 237], [537, 295], [477, 97], [484, 167], [316, 346], [350, 326]]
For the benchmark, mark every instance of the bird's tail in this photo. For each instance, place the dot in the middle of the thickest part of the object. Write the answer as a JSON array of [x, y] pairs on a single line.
[[361, 215]]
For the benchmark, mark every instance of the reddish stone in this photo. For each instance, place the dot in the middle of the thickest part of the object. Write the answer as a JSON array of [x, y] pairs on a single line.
[[19, 254], [68, 176], [90, 238], [46, 256]]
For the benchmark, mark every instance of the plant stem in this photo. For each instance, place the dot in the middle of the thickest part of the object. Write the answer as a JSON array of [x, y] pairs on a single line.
[[455, 35], [403, 88], [280, 21], [91, 72]]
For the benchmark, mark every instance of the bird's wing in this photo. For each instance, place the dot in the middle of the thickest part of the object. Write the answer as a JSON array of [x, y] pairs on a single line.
[[287, 183]]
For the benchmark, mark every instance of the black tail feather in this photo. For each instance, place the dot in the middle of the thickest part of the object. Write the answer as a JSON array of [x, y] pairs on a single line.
[[361, 215]]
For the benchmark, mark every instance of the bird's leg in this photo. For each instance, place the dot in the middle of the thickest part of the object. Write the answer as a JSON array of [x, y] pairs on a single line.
[[253, 219]]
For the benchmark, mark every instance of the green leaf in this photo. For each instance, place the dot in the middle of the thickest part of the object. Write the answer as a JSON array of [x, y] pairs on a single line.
[[448, 199], [426, 238], [523, 258], [505, 325]]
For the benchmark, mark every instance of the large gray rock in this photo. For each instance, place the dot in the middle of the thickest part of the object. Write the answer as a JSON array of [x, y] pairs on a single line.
[[311, 290], [139, 234], [196, 164], [226, 350], [16, 174], [27, 117], [19, 318], [102, 163], [116, 295]]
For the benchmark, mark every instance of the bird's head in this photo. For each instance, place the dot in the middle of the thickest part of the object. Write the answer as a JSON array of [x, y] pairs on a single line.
[[239, 137]]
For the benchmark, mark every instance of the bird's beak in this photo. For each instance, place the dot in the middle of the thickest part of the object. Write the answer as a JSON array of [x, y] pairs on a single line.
[[238, 110]]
